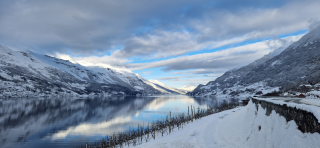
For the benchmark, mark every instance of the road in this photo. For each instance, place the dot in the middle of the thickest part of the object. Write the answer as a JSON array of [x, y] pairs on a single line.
[[314, 102]]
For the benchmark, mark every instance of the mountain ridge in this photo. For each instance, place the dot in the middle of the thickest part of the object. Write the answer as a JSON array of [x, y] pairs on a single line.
[[25, 73]]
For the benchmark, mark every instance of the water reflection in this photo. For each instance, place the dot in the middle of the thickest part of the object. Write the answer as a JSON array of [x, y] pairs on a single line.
[[71, 122]]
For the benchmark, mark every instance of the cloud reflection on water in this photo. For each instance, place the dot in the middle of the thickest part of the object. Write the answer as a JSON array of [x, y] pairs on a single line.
[[52, 122]]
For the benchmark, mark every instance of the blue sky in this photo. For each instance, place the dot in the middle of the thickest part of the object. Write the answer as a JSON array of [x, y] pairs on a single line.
[[181, 42]]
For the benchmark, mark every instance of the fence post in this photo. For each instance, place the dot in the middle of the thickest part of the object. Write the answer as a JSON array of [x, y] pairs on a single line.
[[154, 132], [207, 110], [194, 113], [191, 114], [170, 123], [188, 116]]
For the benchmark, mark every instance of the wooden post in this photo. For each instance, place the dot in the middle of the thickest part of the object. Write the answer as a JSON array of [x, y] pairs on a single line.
[[154, 132], [148, 131], [170, 123], [194, 112], [207, 110], [188, 116], [162, 127], [141, 132], [113, 140], [138, 133], [191, 114]]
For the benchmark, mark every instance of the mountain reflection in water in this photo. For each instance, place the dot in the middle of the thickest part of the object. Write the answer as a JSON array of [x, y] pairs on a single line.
[[71, 122]]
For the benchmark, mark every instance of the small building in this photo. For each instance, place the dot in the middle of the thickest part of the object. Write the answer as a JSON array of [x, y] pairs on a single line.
[[302, 96]]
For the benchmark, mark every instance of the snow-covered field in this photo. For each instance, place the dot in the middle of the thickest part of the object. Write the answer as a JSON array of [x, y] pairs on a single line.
[[242, 127]]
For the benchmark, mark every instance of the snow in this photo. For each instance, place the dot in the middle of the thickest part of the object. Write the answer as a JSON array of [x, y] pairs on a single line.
[[275, 63], [138, 88], [188, 87], [315, 102], [313, 94], [157, 82], [239, 127], [165, 88]]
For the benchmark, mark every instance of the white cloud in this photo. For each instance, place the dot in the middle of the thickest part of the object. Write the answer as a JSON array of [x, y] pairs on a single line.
[[94, 60], [143, 28], [201, 71], [225, 59], [147, 72]]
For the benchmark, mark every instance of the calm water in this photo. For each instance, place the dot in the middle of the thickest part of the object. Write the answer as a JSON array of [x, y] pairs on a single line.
[[72, 122]]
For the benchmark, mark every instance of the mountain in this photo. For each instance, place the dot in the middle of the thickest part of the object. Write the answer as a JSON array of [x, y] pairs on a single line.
[[188, 88], [25, 73], [298, 63], [166, 88], [162, 87]]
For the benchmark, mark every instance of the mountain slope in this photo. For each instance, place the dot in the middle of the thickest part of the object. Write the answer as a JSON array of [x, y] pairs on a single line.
[[298, 63], [28, 73], [188, 88], [161, 87]]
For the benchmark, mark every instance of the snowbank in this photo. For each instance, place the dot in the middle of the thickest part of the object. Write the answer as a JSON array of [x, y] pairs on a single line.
[[315, 102]]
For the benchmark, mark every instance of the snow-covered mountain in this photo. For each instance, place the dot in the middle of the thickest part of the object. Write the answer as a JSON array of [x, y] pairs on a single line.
[[284, 70], [161, 87], [27, 73], [188, 88]]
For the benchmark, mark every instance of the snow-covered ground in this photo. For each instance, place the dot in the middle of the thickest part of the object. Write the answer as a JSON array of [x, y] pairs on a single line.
[[239, 127], [315, 102], [313, 95]]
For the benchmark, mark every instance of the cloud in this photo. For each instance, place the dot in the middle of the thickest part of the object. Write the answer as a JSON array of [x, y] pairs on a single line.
[[143, 28], [94, 60], [200, 71], [170, 78], [147, 72], [219, 60], [189, 80], [161, 44], [314, 23]]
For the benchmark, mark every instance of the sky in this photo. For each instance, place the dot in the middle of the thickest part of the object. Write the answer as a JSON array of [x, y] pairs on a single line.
[[178, 42]]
